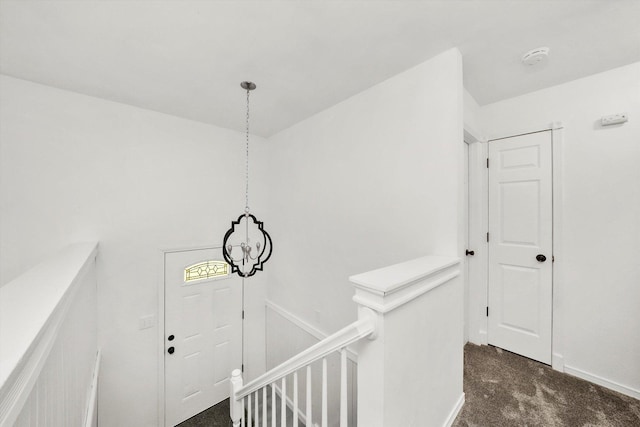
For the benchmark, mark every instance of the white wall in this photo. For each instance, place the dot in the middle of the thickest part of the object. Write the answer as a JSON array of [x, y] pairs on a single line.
[[367, 183], [599, 290], [77, 168], [472, 114]]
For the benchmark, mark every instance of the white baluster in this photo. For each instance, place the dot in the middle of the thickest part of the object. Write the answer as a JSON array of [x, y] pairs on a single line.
[[257, 415], [325, 420], [295, 399], [249, 410], [308, 410], [343, 388], [274, 409], [235, 407], [283, 406], [264, 407], [244, 418]]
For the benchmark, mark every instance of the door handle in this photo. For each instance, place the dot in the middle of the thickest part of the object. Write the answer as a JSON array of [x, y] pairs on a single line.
[[541, 258], [170, 350], [468, 252]]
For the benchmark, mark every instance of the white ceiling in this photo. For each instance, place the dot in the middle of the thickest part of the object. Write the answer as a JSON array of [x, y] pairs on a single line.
[[187, 58]]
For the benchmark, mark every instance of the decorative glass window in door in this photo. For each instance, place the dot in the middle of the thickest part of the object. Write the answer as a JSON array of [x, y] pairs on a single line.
[[206, 270]]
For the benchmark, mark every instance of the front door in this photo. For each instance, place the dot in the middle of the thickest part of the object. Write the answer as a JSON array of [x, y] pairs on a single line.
[[520, 245], [203, 331]]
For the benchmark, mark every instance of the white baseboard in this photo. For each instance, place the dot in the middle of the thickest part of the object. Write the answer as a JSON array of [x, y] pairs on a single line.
[[557, 362], [455, 411], [479, 338], [620, 388]]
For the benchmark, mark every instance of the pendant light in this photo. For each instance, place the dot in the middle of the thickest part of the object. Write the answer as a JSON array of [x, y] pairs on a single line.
[[246, 245]]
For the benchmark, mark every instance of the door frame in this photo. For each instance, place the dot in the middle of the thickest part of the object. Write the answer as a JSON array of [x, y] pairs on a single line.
[[478, 215], [161, 323], [476, 219]]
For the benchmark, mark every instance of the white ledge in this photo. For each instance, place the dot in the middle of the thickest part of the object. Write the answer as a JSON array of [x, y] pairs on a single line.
[[387, 288], [28, 302], [395, 277]]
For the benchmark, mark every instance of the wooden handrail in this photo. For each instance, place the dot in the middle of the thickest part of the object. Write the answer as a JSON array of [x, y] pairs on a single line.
[[362, 328]]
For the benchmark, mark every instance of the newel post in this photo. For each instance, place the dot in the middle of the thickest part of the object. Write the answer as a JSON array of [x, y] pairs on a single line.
[[235, 407], [411, 374]]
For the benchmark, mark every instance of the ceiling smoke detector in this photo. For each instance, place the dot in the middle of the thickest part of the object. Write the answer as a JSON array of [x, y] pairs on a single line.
[[535, 56]]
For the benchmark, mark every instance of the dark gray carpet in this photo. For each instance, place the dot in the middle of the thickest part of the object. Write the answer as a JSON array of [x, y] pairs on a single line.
[[216, 416], [504, 389]]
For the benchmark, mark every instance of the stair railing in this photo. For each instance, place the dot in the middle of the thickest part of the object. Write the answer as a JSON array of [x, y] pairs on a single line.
[[411, 375], [244, 401]]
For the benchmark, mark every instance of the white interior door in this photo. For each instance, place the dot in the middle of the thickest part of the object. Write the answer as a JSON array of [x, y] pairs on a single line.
[[520, 245], [203, 331]]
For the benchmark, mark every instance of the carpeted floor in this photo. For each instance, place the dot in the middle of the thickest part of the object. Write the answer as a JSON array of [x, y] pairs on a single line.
[[504, 389], [216, 416]]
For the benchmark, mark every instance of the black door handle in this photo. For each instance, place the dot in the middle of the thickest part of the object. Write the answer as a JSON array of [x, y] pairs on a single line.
[[170, 350], [468, 252], [541, 258]]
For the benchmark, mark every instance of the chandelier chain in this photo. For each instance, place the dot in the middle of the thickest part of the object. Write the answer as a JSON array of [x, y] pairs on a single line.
[[246, 208]]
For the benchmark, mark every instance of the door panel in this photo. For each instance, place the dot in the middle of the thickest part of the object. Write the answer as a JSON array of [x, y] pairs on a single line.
[[205, 317], [520, 228]]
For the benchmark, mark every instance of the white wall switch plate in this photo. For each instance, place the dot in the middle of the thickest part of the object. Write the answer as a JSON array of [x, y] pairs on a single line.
[[614, 119]]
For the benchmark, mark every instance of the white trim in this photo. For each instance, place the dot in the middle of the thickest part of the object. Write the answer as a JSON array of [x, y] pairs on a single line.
[[533, 129], [386, 289], [471, 135], [305, 326], [92, 404], [455, 411], [161, 326], [308, 328], [596, 379], [557, 171], [477, 271], [557, 362], [393, 279], [385, 307]]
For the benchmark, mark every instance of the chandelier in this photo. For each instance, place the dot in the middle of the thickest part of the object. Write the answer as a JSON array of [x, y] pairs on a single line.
[[246, 245]]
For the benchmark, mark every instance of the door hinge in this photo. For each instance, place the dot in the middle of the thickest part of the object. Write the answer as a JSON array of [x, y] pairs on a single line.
[[487, 163], [242, 368], [487, 311], [242, 314], [553, 258], [487, 236]]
